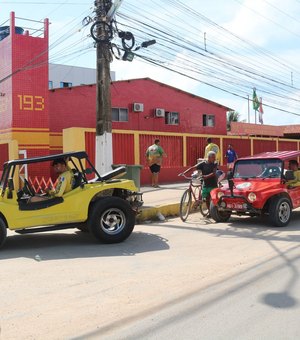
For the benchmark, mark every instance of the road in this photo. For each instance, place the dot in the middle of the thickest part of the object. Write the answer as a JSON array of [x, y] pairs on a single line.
[[170, 280]]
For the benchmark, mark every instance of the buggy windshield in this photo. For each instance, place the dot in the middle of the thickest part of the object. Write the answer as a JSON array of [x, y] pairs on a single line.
[[258, 168]]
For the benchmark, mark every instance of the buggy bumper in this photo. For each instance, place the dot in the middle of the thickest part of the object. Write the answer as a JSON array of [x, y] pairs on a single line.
[[237, 203], [136, 200]]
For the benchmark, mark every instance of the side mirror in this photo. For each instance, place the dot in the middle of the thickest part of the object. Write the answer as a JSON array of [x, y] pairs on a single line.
[[289, 175], [10, 186]]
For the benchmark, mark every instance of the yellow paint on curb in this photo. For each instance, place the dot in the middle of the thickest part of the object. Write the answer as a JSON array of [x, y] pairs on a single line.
[[150, 213]]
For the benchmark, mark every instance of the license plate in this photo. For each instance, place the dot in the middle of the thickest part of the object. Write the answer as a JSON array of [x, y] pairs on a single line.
[[238, 206]]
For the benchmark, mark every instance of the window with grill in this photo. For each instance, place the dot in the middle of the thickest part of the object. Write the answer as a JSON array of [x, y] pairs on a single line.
[[208, 120], [172, 118], [65, 84]]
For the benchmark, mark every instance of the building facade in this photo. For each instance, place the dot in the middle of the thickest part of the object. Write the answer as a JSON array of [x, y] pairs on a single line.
[[24, 115], [138, 104], [33, 118], [69, 76]]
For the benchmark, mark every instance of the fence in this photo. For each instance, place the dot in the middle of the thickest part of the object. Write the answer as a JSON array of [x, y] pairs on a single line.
[[40, 184], [182, 150]]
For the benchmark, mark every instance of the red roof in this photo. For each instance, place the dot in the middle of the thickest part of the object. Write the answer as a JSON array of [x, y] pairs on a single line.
[[248, 129], [284, 155]]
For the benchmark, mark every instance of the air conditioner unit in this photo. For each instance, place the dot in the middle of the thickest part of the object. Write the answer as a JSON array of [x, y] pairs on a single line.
[[159, 112], [138, 107]]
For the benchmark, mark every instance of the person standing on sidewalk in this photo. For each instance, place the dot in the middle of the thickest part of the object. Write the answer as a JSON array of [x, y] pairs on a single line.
[[212, 147], [154, 155], [231, 157]]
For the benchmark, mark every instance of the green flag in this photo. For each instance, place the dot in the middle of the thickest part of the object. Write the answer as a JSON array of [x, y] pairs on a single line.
[[255, 100]]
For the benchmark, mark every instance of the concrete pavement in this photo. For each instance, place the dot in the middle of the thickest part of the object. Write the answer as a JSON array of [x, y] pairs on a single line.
[[160, 201]]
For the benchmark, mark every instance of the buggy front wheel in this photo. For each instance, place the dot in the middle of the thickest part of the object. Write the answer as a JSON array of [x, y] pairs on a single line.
[[185, 205], [111, 220]]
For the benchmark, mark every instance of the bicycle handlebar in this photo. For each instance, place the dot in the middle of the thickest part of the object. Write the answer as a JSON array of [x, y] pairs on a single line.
[[189, 178]]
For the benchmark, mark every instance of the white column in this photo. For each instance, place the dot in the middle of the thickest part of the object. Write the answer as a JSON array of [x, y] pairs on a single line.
[[104, 153]]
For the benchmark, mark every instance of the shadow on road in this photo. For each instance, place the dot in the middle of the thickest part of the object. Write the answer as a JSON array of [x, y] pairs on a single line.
[[244, 227], [66, 245], [255, 228]]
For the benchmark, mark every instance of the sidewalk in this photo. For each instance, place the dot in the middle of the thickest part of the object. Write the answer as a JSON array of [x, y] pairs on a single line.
[[160, 201]]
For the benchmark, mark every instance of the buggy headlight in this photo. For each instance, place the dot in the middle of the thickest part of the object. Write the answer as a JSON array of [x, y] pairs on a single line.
[[252, 197], [220, 194]]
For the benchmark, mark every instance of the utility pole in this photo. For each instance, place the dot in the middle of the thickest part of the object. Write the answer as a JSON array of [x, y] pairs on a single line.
[[104, 149], [102, 31]]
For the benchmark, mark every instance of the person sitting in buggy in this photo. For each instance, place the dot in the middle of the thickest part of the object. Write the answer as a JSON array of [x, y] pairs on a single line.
[[65, 182]]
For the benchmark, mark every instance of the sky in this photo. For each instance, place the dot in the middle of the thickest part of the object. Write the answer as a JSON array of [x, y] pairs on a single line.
[[218, 50]]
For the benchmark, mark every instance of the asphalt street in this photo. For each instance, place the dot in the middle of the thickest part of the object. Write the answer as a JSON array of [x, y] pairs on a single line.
[[169, 280]]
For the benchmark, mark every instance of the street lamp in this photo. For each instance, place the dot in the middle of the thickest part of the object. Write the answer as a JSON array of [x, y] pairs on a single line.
[[129, 55]]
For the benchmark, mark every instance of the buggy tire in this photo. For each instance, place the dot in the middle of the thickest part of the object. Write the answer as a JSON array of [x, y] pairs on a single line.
[[111, 220], [185, 205], [3, 232], [218, 216], [280, 211]]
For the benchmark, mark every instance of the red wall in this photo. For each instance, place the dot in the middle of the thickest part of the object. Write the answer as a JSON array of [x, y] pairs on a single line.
[[76, 107], [72, 107], [157, 95], [6, 86], [30, 87], [263, 146]]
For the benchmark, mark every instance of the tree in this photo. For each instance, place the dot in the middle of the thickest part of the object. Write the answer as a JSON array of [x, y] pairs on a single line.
[[232, 116]]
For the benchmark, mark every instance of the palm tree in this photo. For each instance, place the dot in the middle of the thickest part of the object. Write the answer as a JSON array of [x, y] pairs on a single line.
[[232, 116]]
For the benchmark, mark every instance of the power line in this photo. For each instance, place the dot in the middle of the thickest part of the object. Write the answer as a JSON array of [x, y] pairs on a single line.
[[39, 3]]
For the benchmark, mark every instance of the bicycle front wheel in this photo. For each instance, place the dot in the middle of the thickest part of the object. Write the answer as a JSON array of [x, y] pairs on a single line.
[[185, 205]]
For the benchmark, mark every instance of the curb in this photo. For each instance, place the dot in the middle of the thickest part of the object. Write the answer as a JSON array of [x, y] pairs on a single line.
[[151, 213]]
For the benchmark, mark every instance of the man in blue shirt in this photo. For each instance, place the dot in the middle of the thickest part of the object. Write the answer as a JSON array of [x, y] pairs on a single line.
[[231, 157]]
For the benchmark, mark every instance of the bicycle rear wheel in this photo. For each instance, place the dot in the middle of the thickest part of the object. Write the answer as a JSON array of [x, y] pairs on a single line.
[[204, 208], [185, 205]]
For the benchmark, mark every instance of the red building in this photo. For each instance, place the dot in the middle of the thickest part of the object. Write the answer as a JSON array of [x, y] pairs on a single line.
[[24, 120], [33, 119], [138, 104]]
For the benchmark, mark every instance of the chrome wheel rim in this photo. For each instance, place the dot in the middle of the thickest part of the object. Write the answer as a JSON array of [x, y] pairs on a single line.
[[284, 212], [112, 221]]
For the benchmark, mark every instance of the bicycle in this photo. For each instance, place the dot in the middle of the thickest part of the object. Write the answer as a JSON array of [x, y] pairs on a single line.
[[192, 197]]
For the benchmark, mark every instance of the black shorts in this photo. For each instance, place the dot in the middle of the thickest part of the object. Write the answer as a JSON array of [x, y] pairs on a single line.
[[155, 168]]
